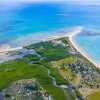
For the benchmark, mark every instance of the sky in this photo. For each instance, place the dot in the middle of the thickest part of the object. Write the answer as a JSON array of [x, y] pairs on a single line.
[[95, 2]]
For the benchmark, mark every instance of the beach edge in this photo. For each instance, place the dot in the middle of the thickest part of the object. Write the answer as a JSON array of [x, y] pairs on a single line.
[[73, 42]]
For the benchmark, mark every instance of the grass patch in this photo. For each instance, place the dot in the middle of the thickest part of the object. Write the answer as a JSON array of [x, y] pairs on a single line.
[[94, 96], [22, 70], [31, 57], [61, 65], [50, 51], [54, 73]]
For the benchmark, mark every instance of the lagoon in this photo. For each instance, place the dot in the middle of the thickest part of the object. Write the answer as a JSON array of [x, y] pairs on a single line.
[[23, 24], [41, 19], [91, 44]]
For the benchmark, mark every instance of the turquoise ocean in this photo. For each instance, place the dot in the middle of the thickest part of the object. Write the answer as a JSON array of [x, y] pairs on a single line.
[[21, 22]]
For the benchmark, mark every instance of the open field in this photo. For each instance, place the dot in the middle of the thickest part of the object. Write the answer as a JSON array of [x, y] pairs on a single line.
[[61, 65], [66, 65], [17, 70], [94, 96]]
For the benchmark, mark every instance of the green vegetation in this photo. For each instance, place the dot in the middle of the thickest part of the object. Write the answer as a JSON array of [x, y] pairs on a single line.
[[67, 68], [65, 40], [54, 73], [26, 71], [94, 96], [31, 57], [50, 51], [62, 66]]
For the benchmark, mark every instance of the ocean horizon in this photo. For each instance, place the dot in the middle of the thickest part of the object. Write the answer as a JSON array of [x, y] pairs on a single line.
[[18, 24]]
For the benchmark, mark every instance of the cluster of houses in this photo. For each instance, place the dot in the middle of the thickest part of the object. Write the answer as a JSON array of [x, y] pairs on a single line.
[[25, 90]]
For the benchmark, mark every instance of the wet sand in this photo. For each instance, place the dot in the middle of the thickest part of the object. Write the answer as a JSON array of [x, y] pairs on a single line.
[[79, 49]]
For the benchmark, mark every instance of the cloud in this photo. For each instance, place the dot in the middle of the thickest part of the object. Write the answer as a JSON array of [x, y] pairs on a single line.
[[70, 1], [16, 2], [26, 1], [85, 1]]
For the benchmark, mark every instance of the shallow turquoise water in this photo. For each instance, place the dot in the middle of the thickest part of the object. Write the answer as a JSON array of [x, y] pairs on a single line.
[[36, 21], [19, 21], [91, 44]]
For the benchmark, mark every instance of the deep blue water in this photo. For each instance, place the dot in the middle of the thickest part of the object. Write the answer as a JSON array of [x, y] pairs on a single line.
[[34, 20]]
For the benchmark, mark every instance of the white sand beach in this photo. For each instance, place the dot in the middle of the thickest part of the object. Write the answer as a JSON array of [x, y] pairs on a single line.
[[79, 49], [6, 48], [27, 40], [71, 35]]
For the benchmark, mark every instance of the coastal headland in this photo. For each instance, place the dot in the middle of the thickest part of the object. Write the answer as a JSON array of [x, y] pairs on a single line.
[[79, 49], [56, 66], [71, 36]]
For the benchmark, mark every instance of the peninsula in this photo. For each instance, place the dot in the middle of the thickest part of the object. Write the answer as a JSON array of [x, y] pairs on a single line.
[[48, 68]]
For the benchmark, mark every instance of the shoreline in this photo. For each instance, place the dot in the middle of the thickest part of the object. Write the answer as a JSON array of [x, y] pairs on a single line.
[[7, 48], [71, 36], [79, 49]]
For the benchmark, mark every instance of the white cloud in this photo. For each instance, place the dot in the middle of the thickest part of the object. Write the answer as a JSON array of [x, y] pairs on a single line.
[[85, 1], [16, 2], [19, 1], [71, 1]]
